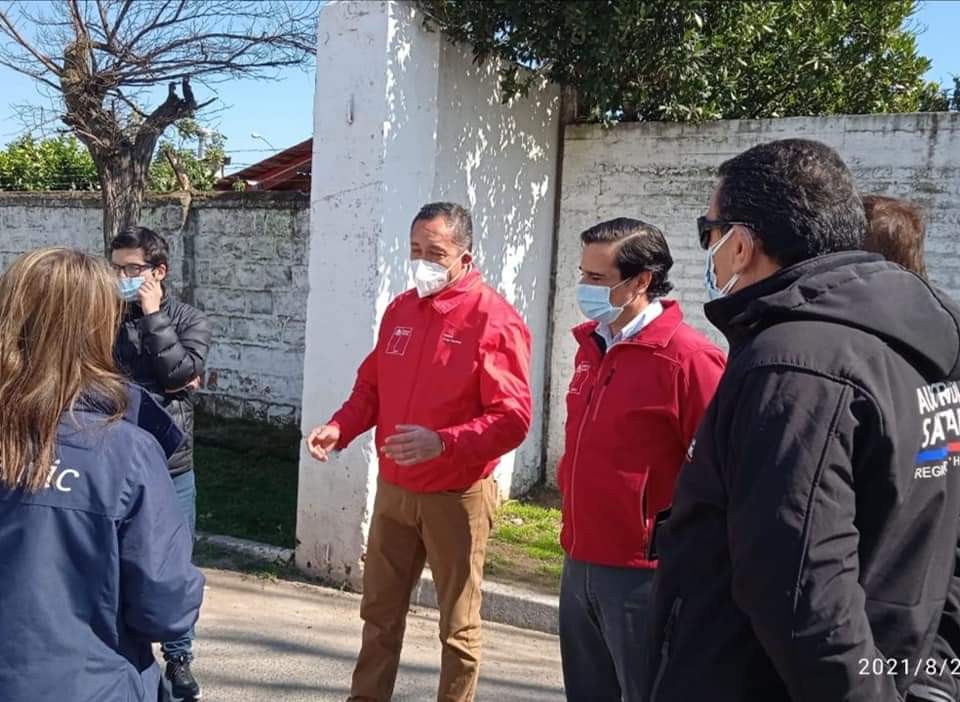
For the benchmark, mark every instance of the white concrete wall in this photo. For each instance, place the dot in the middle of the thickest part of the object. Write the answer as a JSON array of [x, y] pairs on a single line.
[[402, 119], [502, 163], [664, 174]]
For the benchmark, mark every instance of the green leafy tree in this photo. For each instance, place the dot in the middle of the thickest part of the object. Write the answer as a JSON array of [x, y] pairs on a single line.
[[61, 163], [682, 60], [179, 166]]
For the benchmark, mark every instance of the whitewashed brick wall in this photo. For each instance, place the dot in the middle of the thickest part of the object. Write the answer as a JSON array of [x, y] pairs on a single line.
[[240, 257], [664, 174]]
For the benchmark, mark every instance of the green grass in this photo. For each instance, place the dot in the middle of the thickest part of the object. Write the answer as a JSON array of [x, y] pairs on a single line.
[[247, 480], [247, 487], [525, 545]]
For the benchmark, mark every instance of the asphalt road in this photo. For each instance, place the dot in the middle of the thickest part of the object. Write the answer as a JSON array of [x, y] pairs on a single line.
[[262, 640]]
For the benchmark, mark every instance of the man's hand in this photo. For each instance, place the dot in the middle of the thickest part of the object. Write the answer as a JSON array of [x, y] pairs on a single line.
[[189, 387], [412, 445], [150, 294], [322, 440]]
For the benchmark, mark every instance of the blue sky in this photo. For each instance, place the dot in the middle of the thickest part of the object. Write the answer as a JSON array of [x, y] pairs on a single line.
[[282, 111]]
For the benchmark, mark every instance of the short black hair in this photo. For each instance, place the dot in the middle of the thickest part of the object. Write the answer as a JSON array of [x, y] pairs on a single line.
[[156, 252], [642, 247], [457, 217], [798, 196]]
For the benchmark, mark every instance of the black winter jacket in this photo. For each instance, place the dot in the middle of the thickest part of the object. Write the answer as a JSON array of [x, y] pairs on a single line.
[[163, 352], [814, 529]]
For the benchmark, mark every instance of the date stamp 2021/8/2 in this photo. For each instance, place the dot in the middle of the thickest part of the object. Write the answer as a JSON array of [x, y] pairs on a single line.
[[932, 667]]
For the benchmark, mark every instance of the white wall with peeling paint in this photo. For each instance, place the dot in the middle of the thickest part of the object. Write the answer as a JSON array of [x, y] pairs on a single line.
[[403, 118]]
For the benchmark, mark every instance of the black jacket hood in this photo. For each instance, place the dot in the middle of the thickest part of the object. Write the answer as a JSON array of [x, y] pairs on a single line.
[[853, 289]]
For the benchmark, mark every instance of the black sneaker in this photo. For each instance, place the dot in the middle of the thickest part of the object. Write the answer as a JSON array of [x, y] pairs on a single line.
[[179, 685]]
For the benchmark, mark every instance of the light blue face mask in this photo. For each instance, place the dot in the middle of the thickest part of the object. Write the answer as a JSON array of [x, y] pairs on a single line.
[[594, 302], [129, 287], [714, 292]]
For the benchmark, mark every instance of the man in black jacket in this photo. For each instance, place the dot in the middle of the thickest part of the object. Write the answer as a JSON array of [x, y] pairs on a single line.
[[813, 533], [162, 345]]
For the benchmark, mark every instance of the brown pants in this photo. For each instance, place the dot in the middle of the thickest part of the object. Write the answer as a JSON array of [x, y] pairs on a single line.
[[450, 530]]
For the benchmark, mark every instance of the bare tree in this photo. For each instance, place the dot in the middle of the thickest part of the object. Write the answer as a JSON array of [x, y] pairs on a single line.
[[99, 58]]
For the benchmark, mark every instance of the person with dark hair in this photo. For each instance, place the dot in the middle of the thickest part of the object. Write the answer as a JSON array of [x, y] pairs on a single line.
[[895, 230], [811, 542], [162, 346], [94, 556], [448, 389], [641, 381]]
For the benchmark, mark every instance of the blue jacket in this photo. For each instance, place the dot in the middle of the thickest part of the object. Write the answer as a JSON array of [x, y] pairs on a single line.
[[97, 565]]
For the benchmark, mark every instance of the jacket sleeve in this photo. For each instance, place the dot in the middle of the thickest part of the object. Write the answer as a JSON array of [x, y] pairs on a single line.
[[700, 384], [161, 591], [792, 538], [359, 412], [938, 681], [504, 369], [178, 354]]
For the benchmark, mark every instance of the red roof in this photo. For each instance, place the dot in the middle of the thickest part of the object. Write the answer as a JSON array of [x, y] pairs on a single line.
[[288, 170]]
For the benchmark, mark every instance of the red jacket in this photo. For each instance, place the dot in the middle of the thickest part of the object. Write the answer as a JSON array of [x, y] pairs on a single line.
[[457, 362], [631, 415]]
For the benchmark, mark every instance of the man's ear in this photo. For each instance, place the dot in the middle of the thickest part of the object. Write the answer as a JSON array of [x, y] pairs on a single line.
[[160, 272], [643, 282], [746, 247]]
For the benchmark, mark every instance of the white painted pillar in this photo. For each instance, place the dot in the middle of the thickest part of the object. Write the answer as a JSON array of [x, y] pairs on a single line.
[[403, 118], [375, 119]]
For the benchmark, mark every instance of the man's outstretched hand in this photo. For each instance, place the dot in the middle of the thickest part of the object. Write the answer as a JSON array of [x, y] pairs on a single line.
[[322, 440]]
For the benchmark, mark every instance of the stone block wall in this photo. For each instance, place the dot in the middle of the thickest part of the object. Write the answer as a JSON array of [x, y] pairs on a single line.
[[240, 257]]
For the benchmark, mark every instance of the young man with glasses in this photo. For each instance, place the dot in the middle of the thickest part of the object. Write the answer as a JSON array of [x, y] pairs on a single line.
[[162, 345]]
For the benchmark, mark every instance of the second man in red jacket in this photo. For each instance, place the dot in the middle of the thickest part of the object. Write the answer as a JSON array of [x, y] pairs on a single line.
[[642, 380], [447, 388]]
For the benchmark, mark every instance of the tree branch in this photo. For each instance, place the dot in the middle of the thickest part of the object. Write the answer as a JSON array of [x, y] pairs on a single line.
[[27, 72], [7, 27]]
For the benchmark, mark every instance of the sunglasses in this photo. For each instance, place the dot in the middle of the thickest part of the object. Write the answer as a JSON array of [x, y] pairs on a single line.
[[705, 226]]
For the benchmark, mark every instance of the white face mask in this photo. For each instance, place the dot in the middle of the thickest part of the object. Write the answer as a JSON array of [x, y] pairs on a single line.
[[429, 277]]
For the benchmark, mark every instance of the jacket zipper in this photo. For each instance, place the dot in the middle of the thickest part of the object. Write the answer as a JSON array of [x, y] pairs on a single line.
[[416, 373], [665, 648], [573, 465], [573, 473], [603, 390]]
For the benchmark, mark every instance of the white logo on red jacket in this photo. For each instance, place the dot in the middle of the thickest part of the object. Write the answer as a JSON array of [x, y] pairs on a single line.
[[399, 340], [580, 378]]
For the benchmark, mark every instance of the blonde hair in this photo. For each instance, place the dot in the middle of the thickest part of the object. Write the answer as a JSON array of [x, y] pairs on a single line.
[[59, 316]]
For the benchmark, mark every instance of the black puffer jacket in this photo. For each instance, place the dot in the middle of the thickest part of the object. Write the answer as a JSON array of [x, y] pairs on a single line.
[[813, 536], [163, 352]]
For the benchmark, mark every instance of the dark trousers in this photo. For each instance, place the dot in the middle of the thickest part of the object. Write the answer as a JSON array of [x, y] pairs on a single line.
[[185, 486], [604, 617]]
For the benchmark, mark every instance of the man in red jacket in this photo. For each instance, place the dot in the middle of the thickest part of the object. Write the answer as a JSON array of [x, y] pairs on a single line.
[[448, 390], [642, 380]]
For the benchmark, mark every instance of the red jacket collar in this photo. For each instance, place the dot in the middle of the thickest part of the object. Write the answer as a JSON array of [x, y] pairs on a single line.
[[657, 334], [448, 298]]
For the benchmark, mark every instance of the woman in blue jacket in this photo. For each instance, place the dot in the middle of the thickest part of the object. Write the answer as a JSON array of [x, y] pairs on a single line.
[[94, 553]]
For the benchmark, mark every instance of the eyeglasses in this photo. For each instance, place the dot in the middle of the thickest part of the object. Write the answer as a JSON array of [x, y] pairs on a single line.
[[131, 270], [705, 226]]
